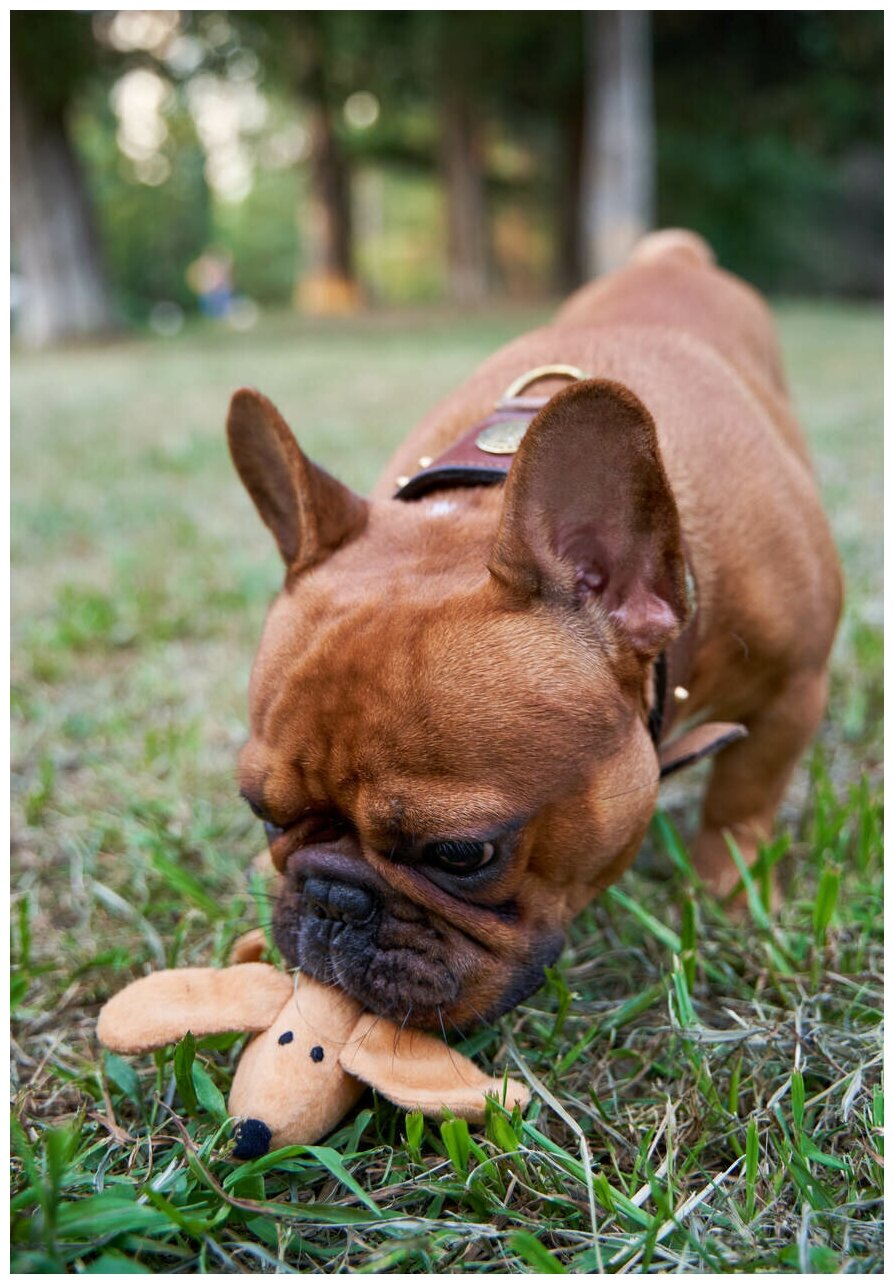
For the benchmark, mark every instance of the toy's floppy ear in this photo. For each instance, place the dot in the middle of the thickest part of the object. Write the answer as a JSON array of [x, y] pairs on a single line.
[[419, 1072], [160, 1008]]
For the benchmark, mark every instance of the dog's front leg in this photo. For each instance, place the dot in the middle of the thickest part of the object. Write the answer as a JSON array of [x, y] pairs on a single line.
[[749, 779]]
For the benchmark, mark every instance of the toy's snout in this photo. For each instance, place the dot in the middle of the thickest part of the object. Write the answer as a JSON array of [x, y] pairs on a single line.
[[252, 1138], [289, 1087]]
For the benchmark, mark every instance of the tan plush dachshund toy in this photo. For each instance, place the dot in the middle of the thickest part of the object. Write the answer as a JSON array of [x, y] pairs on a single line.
[[313, 1053]]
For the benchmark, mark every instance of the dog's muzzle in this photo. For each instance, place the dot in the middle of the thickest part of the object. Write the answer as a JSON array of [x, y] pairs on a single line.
[[340, 923]]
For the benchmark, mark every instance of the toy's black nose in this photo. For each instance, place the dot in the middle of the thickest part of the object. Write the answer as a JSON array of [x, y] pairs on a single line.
[[252, 1139], [343, 902]]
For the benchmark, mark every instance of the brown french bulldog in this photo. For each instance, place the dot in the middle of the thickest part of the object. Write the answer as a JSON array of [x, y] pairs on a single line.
[[463, 692]]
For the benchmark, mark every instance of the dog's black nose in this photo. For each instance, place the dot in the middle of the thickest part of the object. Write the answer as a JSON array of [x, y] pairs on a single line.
[[342, 902]]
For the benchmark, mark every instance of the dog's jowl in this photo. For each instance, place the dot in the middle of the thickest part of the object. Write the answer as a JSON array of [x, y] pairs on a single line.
[[602, 555]]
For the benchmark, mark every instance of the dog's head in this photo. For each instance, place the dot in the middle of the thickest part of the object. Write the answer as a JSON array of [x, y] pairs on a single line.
[[448, 741]]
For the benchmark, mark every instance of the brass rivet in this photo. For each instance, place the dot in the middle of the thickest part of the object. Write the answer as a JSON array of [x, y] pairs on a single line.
[[680, 693], [425, 461], [401, 482], [503, 438]]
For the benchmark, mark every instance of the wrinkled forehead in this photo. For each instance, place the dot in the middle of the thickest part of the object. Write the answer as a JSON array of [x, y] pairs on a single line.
[[412, 713], [347, 669]]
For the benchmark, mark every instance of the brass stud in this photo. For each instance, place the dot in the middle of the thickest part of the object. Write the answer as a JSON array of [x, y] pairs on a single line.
[[680, 693], [425, 461], [401, 482], [503, 437]]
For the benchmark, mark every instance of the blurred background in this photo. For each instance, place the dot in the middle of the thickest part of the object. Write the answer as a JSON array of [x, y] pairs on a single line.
[[167, 163]]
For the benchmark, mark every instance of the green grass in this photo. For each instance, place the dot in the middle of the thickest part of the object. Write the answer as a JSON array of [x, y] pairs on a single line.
[[707, 1093]]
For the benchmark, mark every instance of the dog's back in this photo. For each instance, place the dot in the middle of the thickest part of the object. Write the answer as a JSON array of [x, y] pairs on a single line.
[[670, 292], [672, 280]]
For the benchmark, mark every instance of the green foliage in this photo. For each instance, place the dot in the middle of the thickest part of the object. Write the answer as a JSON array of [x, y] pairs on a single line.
[[759, 115], [184, 1056], [768, 134], [149, 234], [261, 233], [529, 1248]]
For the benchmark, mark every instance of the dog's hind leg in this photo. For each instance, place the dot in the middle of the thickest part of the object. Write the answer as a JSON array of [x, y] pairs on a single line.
[[749, 779]]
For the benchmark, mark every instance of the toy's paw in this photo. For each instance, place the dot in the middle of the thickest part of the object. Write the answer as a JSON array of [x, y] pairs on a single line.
[[249, 947], [252, 1138]]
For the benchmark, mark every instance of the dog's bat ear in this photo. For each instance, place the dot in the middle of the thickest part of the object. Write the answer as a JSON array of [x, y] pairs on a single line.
[[161, 1007], [419, 1072], [589, 516], [310, 513]]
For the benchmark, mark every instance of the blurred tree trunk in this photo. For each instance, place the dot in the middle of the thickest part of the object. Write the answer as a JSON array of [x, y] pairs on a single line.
[[569, 270], [618, 164], [328, 285], [53, 235], [462, 167]]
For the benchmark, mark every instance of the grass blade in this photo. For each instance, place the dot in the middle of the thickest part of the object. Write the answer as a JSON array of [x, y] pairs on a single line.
[[332, 1162], [455, 1135], [826, 900], [528, 1246], [660, 931], [184, 1056], [752, 1153]]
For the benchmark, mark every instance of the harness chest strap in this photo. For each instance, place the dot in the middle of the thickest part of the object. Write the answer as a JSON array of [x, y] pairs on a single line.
[[483, 457]]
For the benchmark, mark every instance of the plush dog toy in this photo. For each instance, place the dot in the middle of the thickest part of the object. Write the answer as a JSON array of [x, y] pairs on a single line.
[[313, 1053]]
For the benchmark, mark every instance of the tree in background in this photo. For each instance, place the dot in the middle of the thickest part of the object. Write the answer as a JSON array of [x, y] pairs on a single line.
[[306, 56], [438, 64], [55, 245], [618, 163], [535, 84], [458, 46], [327, 284]]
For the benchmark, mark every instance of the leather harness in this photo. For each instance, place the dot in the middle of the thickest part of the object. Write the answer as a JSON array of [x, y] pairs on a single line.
[[483, 457]]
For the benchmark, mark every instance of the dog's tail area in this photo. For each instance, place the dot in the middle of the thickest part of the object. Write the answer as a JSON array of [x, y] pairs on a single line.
[[676, 243]]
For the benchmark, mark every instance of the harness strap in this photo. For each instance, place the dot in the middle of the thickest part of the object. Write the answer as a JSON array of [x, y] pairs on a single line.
[[483, 455]]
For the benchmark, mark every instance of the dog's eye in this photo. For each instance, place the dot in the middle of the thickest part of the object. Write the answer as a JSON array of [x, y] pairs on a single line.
[[256, 809], [253, 807], [460, 857], [324, 827], [272, 831]]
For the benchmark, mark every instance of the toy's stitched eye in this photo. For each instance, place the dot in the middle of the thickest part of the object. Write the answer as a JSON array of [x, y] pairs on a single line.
[[462, 856], [317, 1053], [287, 1037]]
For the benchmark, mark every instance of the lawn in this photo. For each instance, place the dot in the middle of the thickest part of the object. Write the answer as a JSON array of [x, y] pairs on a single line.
[[707, 1093]]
